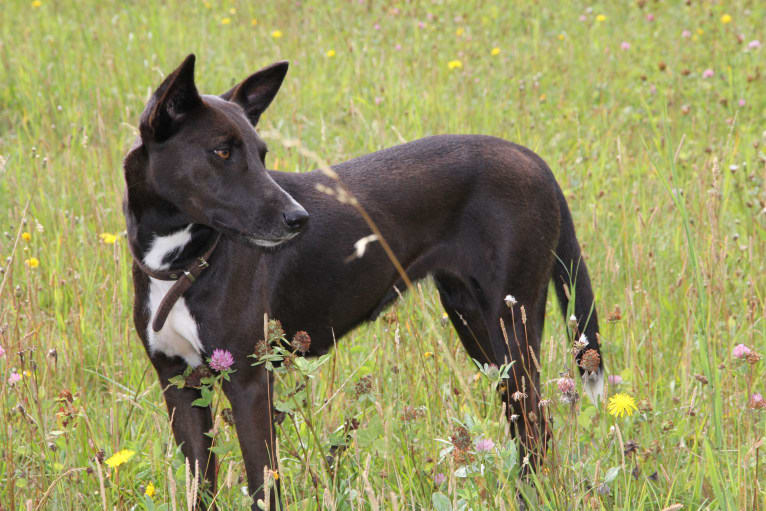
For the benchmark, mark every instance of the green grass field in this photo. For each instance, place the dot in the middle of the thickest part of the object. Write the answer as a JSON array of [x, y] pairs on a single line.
[[651, 115]]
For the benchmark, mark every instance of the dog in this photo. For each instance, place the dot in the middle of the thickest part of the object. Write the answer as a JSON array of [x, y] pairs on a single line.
[[219, 242]]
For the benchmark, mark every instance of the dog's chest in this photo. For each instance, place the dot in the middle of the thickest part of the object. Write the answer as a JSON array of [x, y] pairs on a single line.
[[179, 336]]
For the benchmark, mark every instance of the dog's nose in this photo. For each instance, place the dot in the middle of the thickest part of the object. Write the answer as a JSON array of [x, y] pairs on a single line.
[[295, 219]]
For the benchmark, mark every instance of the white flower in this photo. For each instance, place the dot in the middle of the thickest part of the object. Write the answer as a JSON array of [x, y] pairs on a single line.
[[510, 300]]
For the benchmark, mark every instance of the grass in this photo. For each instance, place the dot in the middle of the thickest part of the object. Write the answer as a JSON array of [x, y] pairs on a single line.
[[663, 165]]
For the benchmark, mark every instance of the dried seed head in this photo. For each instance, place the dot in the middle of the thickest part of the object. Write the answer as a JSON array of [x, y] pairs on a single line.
[[752, 358], [510, 300], [572, 321], [275, 330], [518, 395], [262, 349], [461, 439], [590, 361], [301, 341]]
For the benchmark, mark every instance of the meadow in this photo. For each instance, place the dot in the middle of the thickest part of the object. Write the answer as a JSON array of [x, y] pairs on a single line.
[[652, 116]]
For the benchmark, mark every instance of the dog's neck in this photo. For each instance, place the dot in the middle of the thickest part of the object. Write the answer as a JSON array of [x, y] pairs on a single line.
[[163, 238]]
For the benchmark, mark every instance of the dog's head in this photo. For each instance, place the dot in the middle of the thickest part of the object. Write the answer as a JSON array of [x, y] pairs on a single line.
[[201, 155]]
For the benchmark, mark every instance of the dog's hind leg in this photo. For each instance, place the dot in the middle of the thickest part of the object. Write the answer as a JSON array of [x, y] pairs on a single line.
[[190, 423], [250, 393]]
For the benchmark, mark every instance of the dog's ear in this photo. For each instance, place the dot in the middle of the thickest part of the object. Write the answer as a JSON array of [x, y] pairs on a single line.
[[173, 99], [257, 91]]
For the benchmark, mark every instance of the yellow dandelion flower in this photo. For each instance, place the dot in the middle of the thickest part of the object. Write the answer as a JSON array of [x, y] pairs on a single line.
[[460, 31], [700, 31], [26, 236], [108, 238], [726, 18], [330, 53], [454, 64], [32, 262], [232, 11], [428, 354], [542, 97], [225, 21], [276, 34], [254, 21], [36, 4], [275, 474], [621, 404], [561, 37], [118, 458], [495, 51], [150, 490], [601, 17]]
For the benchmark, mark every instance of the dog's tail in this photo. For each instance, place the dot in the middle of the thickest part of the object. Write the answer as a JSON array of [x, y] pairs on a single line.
[[572, 283]]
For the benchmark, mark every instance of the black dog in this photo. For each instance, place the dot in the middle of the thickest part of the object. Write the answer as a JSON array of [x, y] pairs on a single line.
[[219, 241]]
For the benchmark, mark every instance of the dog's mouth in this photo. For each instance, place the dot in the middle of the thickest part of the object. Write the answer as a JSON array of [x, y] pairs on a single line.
[[254, 241]]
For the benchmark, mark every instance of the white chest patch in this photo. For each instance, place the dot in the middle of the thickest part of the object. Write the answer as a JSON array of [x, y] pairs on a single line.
[[179, 336]]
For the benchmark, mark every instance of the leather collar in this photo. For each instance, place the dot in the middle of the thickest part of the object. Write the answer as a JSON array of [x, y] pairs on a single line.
[[184, 279]]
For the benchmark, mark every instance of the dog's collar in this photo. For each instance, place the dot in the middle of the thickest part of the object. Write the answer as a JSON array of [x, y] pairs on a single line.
[[184, 279]]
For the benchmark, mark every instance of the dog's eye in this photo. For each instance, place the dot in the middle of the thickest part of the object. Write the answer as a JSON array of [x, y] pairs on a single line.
[[222, 153]]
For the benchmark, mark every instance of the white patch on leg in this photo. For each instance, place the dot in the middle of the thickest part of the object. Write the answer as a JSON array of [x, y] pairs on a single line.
[[179, 336], [593, 385]]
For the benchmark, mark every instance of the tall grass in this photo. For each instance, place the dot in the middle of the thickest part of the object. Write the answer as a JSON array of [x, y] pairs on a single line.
[[662, 163]]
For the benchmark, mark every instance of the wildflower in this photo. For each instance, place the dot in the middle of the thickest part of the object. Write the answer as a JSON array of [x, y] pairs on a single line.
[[741, 102], [108, 238], [276, 34], [754, 44], [510, 300], [600, 18], [757, 402], [378, 100], [120, 457], [262, 349], [2, 352], [572, 321], [726, 18], [398, 47], [330, 53], [740, 351], [439, 479], [686, 34], [421, 24], [150, 490], [565, 384], [254, 22], [275, 475], [590, 361], [32, 262], [650, 17], [459, 31], [36, 4], [583, 18], [621, 404], [708, 73], [232, 11], [454, 64], [495, 51], [614, 379], [26, 236], [376, 26], [561, 37], [582, 342], [428, 354], [14, 378], [753, 358], [484, 445], [301, 341], [221, 360], [544, 403], [518, 395], [225, 21], [625, 46]]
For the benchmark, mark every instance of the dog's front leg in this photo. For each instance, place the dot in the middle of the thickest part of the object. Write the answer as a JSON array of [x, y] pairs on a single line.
[[250, 395], [189, 423]]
